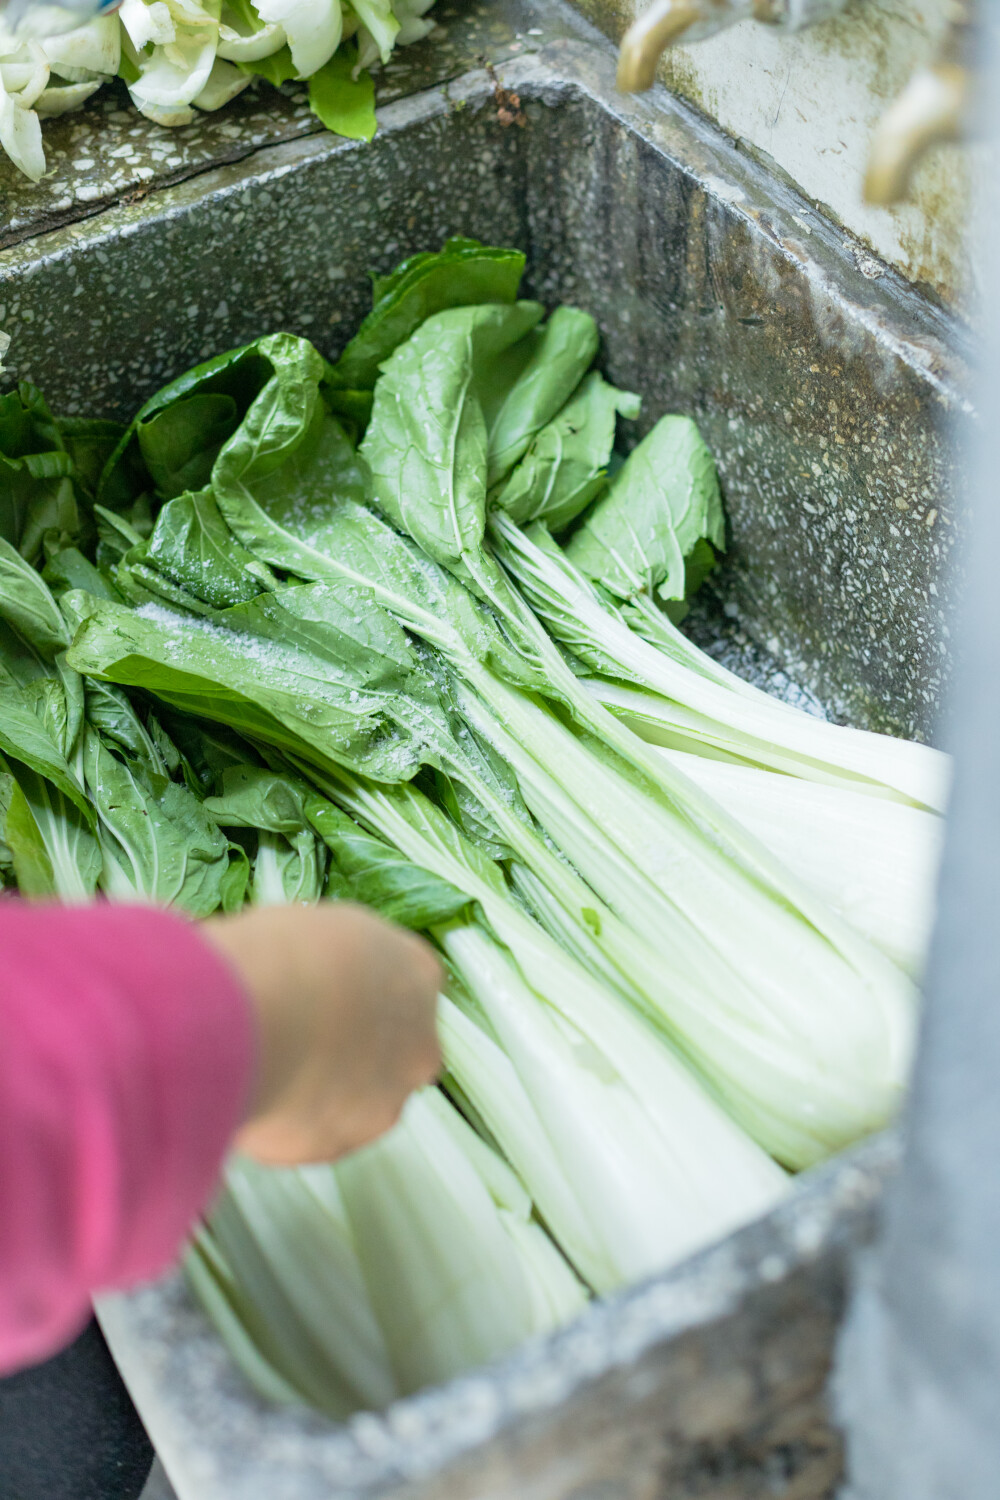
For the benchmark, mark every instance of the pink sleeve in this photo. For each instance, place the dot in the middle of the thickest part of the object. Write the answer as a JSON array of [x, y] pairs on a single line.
[[126, 1055]]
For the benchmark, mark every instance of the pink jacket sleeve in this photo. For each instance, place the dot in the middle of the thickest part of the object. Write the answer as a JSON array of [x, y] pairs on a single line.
[[126, 1056]]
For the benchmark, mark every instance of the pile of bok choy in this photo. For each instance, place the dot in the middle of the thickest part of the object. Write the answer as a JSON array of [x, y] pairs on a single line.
[[181, 56], [385, 630]]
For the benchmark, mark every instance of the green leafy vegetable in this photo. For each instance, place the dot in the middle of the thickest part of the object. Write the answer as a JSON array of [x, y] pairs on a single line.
[[256, 670], [561, 352], [698, 703], [660, 505], [277, 68], [90, 442], [462, 274], [23, 848], [267, 665], [179, 444], [38, 500], [344, 102], [407, 1263], [28, 608], [128, 68], [428, 440], [290, 862], [366, 869], [41, 697], [565, 467], [157, 843], [179, 60], [192, 546], [873, 860], [53, 848], [69, 569], [237, 376]]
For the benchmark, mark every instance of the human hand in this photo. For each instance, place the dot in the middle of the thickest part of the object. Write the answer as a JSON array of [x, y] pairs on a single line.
[[345, 1006]]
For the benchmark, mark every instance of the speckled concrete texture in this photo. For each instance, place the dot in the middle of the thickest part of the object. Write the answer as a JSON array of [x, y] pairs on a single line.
[[283, 239], [107, 152]]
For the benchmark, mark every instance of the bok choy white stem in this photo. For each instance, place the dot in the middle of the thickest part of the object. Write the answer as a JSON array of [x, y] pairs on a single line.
[[803, 1028], [708, 700], [629, 1160], [407, 1263], [873, 860]]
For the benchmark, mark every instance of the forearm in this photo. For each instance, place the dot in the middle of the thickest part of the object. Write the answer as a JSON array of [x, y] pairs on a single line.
[[126, 1059]]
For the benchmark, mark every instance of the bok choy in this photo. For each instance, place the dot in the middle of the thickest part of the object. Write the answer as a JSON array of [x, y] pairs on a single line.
[[411, 1261], [383, 629], [702, 703], [178, 57]]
